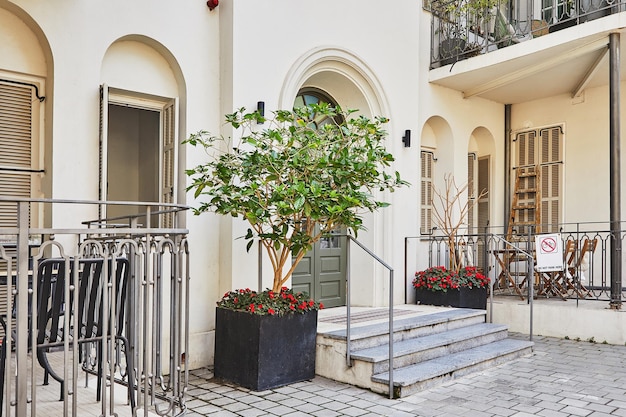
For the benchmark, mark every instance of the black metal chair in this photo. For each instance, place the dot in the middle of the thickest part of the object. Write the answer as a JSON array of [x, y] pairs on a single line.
[[91, 287]]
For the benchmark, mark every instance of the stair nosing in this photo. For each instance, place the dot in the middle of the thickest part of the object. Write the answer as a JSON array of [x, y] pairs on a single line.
[[426, 342], [447, 366], [378, 329]]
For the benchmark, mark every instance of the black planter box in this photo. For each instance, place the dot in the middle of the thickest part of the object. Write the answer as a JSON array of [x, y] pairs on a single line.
[[462, 298], [264, 352]]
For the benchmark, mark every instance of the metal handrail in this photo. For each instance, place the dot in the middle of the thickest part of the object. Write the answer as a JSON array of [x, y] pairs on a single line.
[[379, 260], [530, 259], [390, 269]]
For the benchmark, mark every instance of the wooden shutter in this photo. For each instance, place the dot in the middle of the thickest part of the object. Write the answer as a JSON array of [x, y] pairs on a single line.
[[16, 139], [483, 185], [525, 161], [426, 195], [551, 169], [168, 158], [472, 185], [102, 156]]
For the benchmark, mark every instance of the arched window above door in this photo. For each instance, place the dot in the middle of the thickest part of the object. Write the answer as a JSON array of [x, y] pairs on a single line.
[[308, 96]]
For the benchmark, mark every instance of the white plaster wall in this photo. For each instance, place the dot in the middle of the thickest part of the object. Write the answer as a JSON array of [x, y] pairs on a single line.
[[586, 149], [180, 39], [362, 53]]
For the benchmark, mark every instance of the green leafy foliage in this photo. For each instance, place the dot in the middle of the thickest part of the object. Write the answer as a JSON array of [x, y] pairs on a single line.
[[295, 181]]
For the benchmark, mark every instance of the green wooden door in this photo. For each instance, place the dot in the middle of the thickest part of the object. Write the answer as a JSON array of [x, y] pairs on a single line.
[[322, 272]]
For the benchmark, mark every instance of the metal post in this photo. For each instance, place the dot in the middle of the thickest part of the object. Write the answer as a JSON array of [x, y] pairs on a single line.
[[391, 335], [21, 344], [406, 271], [615, 172], [348, 362], [530, 281], [260, 271], [507, 164]]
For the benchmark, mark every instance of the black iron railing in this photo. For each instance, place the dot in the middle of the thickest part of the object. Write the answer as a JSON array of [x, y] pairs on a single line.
[[464, 28], [586, 249]]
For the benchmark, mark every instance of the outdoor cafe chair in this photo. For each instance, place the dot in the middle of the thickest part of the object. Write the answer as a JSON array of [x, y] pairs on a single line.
[[576, 265], [91, 287]]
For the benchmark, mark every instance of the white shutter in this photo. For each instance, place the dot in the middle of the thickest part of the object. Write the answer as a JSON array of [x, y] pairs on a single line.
[[483, 185], [102, 156], [542, 150], [551, 168], [168, 158], [426, 195], [472, 186], [16, 139]]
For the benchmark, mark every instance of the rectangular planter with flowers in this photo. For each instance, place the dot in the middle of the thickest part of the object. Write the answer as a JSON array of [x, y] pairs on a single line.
[[265, 340], [439, 286]]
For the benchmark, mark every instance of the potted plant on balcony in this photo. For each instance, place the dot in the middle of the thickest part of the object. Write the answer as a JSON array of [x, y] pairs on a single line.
[[294, 183], [463, 26], [439, 286]]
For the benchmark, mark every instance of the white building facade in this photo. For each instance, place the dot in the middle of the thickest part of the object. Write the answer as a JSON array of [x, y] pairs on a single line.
[[126, 81]]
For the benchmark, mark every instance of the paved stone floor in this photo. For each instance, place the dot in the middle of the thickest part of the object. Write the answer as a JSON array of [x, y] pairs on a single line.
[[561, 378]]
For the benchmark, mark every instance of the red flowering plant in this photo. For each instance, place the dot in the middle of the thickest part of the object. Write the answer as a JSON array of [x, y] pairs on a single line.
[[269, 302], [438, 278]]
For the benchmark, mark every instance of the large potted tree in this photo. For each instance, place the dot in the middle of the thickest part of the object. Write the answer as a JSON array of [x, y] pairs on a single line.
[[294, 180]]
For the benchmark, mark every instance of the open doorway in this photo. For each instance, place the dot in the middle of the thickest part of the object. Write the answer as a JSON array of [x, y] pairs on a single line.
[[137, 153]]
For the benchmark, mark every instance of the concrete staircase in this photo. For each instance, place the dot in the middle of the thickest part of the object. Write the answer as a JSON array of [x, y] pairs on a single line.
[[428, 349]]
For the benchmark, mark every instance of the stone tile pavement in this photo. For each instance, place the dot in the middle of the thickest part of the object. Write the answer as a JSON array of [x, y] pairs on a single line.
[[561, 378]]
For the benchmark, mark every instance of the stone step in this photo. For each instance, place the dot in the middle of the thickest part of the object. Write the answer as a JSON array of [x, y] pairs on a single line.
[[413, 378], [372, 335], [415, 350]]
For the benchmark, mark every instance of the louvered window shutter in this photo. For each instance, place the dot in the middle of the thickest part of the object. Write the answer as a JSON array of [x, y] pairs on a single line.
[[551, 172], [483, 185], [16, 138], [102, 155], [168, 163], [426, 196], [471, 191]]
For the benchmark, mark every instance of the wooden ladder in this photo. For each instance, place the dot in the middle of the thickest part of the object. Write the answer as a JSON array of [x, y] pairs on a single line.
[[525, 205]]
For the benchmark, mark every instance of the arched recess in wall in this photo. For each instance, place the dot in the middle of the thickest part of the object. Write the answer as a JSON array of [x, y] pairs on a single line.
[[349, 82], [480, 168], [26, 72], [436, 161], [143, 96]]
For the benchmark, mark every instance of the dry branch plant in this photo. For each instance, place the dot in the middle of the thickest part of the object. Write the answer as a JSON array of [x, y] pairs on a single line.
[[450, 211]]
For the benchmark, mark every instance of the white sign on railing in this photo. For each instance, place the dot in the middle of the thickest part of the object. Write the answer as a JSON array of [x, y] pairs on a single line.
[[549, 252]]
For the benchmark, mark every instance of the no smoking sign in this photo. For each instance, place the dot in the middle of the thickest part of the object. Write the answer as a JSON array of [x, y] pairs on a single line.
[[549, 252], [548, 245]]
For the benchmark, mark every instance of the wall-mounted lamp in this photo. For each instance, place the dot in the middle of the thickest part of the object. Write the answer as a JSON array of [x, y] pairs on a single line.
[[406, 139], [260, 108], [212, 4]]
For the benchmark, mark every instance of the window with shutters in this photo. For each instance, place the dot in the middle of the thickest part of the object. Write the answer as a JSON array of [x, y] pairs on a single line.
[[138, 151], [20, 170], [541, 150], [472, 191], [426, 192]]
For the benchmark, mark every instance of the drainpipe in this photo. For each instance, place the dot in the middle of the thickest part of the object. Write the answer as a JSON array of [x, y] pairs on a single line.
[[507, 166], [615, 172]]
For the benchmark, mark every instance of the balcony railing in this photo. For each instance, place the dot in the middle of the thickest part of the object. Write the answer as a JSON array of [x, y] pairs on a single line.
[[586, 259], [464, 28], [54, 308]]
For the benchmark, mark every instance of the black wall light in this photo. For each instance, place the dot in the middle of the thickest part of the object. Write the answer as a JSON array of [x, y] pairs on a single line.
[[406, 139], [260, 107]]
